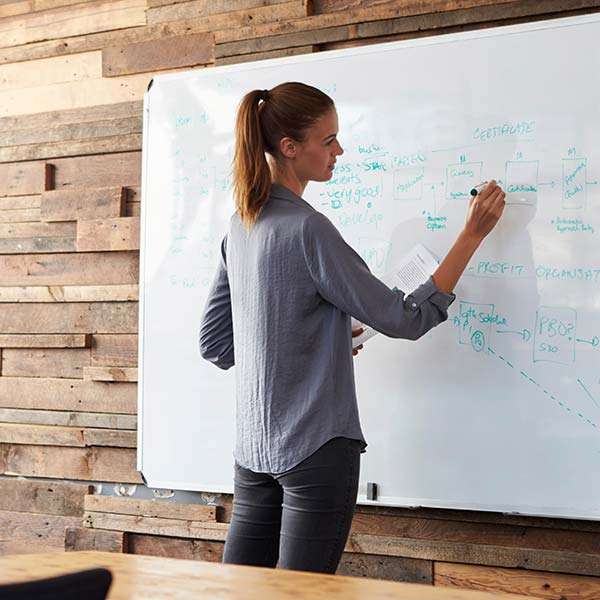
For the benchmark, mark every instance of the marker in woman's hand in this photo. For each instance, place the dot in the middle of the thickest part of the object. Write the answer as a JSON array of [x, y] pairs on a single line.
[[478, 188]]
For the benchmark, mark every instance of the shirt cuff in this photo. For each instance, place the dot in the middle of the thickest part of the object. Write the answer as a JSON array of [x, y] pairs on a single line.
[[428, 291]]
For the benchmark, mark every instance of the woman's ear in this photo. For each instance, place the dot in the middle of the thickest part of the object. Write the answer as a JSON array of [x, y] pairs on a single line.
[[287, 147]]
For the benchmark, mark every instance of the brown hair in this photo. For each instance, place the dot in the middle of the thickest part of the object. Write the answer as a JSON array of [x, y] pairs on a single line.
[[264, 117]]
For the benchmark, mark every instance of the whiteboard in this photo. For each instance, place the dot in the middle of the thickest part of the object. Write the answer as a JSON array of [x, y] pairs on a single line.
[[499, 407]]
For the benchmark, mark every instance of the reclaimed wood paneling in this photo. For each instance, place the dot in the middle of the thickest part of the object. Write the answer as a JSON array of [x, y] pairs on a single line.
[[27, 393], [67, 317], [46, 341], [37, 230], [483, 554], [52, 435], [95, 464], [67, 418], [46, 497], [155, 545], [82, 538], [22, 179], [167, 53], [45, 245], [151, 508], [163, 12], [53, 362], [25, 533], [102, 170], [394, 568], [75, 204], [110, 373], [156, 526], [108, 234], [114, 350], [62, 293], [93, 268], [61, 22]]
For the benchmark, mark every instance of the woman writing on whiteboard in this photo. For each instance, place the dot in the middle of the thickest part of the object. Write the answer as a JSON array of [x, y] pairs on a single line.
[[279, 308]]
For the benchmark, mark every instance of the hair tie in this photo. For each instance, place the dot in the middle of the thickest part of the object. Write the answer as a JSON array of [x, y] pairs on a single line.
[[264, 94]]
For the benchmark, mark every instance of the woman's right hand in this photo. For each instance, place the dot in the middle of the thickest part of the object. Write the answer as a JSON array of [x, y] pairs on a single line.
[[484, 211]]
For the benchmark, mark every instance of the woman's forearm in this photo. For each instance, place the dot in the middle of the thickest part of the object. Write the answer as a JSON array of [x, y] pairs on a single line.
[[452, 267]]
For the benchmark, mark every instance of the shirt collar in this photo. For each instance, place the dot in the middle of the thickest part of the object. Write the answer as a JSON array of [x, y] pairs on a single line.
[[282, 193]]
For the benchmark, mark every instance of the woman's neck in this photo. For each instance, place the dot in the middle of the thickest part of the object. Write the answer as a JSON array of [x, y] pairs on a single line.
[[289, 181]]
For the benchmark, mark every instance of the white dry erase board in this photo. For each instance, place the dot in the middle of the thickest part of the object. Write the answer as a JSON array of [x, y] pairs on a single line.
[[499, 407]]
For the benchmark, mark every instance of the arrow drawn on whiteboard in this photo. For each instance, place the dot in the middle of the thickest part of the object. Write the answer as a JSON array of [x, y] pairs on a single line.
[[587, 392], [550, 183], [593, 342], [525, 334]]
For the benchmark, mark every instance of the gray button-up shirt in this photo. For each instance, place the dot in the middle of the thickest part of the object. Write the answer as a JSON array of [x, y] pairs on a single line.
[[279, 308]]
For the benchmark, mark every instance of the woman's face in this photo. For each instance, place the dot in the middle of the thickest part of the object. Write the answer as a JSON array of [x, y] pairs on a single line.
[[316, 155]]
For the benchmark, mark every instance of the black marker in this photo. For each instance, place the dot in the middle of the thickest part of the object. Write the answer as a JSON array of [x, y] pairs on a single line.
[[477, 189]]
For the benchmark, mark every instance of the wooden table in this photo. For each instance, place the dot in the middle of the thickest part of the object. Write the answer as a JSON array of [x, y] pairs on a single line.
[[136, 577]]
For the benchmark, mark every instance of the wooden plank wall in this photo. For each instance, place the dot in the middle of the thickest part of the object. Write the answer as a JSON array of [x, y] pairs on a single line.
[[72, 78]]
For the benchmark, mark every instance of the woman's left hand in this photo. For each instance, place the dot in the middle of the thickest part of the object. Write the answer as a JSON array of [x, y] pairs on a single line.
[[356, 331]]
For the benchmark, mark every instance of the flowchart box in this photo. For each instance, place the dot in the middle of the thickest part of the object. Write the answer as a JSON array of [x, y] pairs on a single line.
[[408, 183], [574, 176], [554, 335], [460, 179], [521, 182], [475, 325]]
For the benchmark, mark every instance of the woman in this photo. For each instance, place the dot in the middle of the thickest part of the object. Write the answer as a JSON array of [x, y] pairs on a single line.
[[279, 309]]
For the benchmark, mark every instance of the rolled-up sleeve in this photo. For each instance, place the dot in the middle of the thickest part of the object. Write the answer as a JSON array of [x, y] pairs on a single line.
[[216, 328], [343, 278]]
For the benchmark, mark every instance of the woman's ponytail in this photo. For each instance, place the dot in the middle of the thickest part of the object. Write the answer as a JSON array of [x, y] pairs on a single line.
[[251, 172]]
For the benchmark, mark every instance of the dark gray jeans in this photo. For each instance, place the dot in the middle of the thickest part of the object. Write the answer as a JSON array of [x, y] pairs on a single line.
[[301, 517]]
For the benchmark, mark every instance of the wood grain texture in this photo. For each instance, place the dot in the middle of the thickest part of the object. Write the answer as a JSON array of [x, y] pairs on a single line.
[[392, 568], [114, 350], [45, 245], [110, 373], [108, 234], [69, 317], [483, 554], [120, 169], [156, 545], [30, 532], [38, 230], [66, 293], [194, 9], [77, 204], [95, 464], [150, 576], [39, 127], [100, 15], [93, 268], [28, 393], [151, 508], [82, 538], [52, 435], [19, 202], [167, 53], [68, 418], [46, 497], [21, 179], [51, 150], [51, 362], [552, 586], [156, 526], [46, 341]]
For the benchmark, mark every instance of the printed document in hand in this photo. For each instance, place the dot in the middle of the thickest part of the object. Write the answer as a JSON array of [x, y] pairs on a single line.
[[414, 270]]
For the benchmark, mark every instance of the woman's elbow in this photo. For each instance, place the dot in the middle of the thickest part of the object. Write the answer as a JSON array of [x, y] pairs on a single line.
[[221, 355]]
